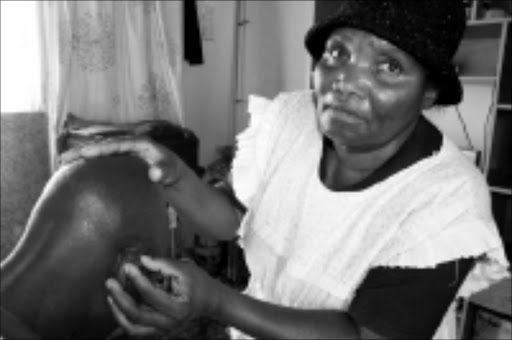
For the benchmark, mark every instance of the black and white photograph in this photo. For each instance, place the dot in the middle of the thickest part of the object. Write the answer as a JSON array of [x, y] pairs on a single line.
[[256, 169]]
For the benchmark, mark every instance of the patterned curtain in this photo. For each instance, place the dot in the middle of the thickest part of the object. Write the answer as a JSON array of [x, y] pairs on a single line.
[[112, 61]]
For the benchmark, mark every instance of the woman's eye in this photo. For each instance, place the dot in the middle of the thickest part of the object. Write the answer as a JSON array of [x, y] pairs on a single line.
[[334, 54], [391, 67]]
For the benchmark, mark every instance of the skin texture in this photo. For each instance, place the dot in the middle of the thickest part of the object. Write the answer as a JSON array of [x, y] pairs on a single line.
[[369, 96], [88, 218]]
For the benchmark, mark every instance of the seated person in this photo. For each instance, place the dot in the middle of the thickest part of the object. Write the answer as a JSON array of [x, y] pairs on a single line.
[[91, 217]]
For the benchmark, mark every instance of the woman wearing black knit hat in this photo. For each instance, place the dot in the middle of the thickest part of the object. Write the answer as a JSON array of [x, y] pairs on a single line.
[[358, 218]]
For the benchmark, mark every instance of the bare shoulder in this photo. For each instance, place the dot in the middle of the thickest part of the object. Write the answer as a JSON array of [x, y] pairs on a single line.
[[91, 215], [101, 197], [119, 181]]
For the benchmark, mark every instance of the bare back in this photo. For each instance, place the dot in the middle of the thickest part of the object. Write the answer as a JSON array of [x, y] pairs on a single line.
[[89, 216]]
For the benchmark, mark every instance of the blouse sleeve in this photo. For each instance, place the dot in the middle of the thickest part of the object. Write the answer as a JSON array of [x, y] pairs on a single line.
[[407, 303], [253, 148], [454, 222]]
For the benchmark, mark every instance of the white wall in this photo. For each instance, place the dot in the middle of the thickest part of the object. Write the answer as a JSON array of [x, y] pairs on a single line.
[[475, 115], [474, 111], [275, 57], [275, 60], [296, 17]]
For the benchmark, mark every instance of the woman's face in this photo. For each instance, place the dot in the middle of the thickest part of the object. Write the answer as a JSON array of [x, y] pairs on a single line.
[[368, 91]]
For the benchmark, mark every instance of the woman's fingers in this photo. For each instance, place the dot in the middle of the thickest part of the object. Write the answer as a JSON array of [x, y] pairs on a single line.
[[163, 164], [160, 264], [130, 328], [155, 174], [136, 319], [142, 147], [192, 291], [180, 283], [164, 301]]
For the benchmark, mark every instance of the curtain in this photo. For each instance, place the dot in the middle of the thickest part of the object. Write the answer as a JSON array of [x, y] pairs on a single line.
[[21, 71], [111, 61]]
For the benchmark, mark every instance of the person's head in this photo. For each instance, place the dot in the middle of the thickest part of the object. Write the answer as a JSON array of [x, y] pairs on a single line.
[[378, 64]]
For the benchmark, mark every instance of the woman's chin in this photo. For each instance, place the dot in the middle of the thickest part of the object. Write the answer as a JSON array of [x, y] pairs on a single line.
[[338, 132], [338, 123]]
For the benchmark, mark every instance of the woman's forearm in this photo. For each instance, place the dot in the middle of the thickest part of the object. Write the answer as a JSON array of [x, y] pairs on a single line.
[[209, 211], [269, 321]]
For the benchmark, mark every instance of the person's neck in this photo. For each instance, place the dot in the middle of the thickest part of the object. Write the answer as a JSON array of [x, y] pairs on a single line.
[[345, 166]]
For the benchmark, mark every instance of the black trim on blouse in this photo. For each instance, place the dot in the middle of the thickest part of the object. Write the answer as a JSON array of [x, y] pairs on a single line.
[[424, 141]]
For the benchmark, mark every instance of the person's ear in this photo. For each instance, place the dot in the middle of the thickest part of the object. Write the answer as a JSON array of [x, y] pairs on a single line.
[[429, 97]]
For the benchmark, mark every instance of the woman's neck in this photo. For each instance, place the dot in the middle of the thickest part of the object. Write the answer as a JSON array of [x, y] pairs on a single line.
[[343, 166]]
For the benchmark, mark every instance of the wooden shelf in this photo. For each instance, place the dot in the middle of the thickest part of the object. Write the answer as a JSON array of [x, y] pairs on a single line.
[[478, 79], [488, 21], [500, 190], [479, 11]]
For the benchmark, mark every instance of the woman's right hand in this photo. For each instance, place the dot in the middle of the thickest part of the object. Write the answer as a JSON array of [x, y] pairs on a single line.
[[192, 293], [165, 167]]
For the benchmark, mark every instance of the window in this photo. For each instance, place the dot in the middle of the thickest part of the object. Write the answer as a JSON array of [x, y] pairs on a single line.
[[20, 57]]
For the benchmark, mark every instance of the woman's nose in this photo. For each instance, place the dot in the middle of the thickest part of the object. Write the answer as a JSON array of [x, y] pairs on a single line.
[[350, 80]]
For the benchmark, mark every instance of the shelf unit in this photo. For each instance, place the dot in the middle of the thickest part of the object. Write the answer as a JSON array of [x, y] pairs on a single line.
[[478, 79], [484, 65], [484, 60]]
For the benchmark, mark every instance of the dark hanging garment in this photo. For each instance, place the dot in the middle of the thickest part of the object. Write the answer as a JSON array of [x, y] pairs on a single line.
[[192, 35]]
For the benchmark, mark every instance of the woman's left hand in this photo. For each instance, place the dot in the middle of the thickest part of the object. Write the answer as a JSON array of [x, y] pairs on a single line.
[[194, 293], [165, 166]]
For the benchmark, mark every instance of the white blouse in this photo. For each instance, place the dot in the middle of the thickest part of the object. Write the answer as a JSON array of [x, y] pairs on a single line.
[[309, 247]]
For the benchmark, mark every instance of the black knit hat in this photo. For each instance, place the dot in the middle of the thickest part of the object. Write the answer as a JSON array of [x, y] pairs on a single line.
[[428, 30]]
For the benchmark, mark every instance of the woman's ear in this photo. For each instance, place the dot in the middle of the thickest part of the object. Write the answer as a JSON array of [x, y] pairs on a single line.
[[429, 97]]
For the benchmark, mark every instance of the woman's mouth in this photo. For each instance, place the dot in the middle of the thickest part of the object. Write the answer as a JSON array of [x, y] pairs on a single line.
[[342, 113]]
